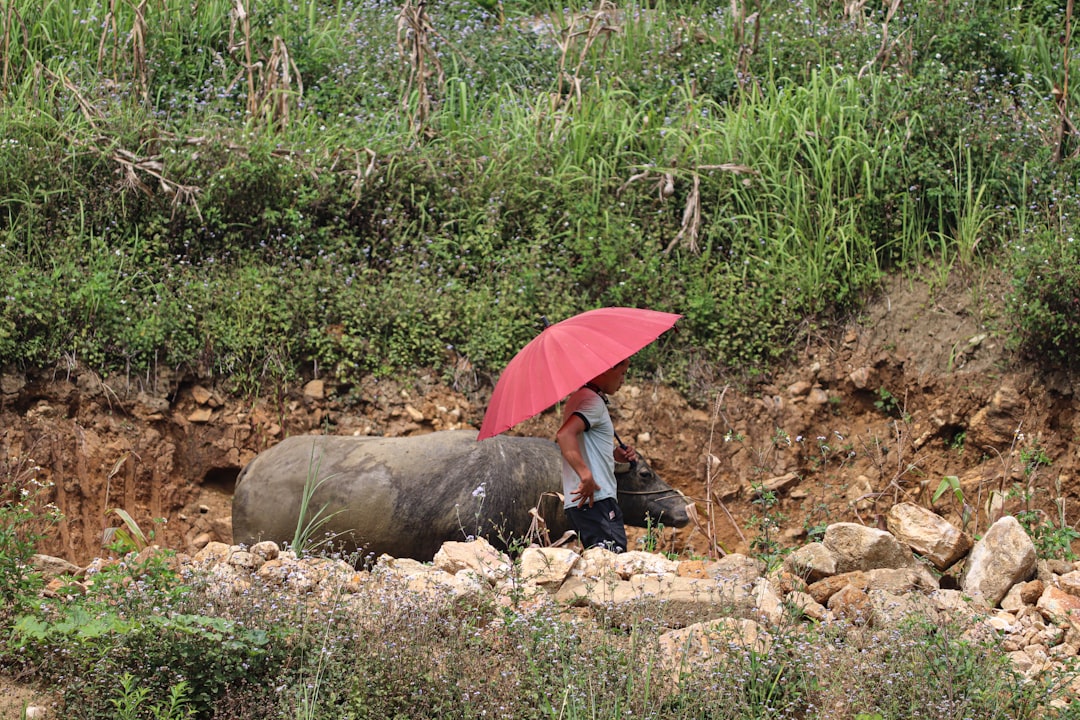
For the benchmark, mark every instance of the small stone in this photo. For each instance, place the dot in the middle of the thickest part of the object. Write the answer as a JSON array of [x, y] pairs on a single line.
[[267, 550], [799, 389], [315, 390], [201, 415], [860, 377]]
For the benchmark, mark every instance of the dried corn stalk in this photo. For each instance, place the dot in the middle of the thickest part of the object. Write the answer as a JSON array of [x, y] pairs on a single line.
[[425, 78]]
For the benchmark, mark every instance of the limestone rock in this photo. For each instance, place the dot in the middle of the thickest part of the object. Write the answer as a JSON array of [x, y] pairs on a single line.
[[824, 589], [315, 390], [1004, 556], [637, 562], [201, 415], [477, 555], [1070, 582], [736, 569], [705, 644], [891, 609], [807, 605], [857, 547], [812, 562], [851, 603], [52, 567], [1060, 607], [266, 549], [767, 602], [995, 424], [201, 395], [547, 567], [928, 534]]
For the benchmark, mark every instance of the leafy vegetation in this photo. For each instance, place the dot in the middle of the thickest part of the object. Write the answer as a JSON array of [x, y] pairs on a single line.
[[147, 638], [370, 187], [26, 517]]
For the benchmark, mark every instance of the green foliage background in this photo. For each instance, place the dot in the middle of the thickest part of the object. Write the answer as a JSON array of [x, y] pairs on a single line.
[[374, 188]]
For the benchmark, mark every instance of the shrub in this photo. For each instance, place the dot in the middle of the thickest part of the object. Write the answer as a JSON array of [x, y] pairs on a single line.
[[1045, 301], [26, 516], [137, 622]]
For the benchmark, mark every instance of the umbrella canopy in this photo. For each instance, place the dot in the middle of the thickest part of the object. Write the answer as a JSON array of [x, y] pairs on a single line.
[[565, 356]]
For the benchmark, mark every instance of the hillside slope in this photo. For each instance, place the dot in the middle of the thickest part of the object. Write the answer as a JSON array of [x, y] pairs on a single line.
[[914, 390]]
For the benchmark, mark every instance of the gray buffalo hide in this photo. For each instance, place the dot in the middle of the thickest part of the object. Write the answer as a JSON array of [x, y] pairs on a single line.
[[406, 496]]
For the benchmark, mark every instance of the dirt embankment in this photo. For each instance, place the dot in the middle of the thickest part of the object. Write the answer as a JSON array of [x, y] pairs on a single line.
[[914, 391]]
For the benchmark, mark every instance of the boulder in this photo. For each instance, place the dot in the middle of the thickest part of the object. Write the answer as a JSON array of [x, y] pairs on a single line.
[[1003, 557], [811, 562], [857, 547], [928, 534]]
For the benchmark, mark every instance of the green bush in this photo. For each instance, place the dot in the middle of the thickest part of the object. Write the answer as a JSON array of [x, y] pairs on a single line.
[[143, 622], [26, 516], [1045, 299]]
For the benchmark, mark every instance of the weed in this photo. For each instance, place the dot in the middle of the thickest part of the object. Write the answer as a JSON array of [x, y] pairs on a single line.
[[766, 521], [654, 534], [26, 516], [1034, 457], [1052, 539], [887, 403], [308, 524], [129, 538], [480, 493], [132, 702]]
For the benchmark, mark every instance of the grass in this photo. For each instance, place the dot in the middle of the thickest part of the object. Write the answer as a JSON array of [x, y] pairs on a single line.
[[245, 196]]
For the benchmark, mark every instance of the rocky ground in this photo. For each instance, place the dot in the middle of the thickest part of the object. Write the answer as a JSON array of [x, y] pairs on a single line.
[[915, 390]]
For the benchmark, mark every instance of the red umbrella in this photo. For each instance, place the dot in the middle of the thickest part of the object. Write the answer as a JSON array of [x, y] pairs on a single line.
[[565, 356]]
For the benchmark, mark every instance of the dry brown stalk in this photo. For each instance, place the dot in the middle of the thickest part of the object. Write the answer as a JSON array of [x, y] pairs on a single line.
[[240, 17], [362, 174], [711, 465], [5, 46], [108, 29], [276, 84], [746, 50], [538, 530], [691, 220], [138, 50], [885, 50], [853, 10], [592, 26], [414, 40], [1065, 127], [88, 110], [132, 165]]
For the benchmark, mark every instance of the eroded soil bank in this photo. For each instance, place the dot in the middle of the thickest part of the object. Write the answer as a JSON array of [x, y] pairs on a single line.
[[915, 390]]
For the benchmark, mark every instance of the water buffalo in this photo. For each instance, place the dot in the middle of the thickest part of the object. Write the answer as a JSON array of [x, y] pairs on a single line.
[[406, 496]]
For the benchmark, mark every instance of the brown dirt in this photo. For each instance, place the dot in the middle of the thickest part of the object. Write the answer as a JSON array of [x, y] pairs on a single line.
[[880, 410]]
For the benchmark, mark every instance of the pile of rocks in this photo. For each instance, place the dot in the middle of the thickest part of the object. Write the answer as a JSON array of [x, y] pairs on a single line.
[[856, 574]]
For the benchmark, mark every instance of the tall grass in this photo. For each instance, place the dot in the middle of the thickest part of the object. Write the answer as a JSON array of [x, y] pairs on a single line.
[[535, 161]]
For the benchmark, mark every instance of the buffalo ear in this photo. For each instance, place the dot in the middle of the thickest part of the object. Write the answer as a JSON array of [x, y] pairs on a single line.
[[622, 467]]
